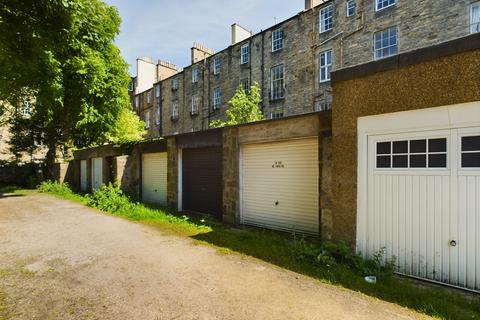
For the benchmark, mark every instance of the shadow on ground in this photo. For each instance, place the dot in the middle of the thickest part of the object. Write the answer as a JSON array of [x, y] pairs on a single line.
[[9, 192]]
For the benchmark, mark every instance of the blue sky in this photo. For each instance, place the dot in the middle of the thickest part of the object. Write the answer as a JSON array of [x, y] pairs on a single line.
[[166, 29]]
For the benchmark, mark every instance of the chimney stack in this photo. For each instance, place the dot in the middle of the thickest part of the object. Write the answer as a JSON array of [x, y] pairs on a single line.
[[166, 69], [309, 4], [239, 33], [200, 52]]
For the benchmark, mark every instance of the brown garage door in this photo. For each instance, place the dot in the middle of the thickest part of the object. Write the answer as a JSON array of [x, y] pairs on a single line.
[[202, 180]]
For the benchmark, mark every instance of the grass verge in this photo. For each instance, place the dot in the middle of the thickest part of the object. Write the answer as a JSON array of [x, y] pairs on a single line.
[[330, 263]]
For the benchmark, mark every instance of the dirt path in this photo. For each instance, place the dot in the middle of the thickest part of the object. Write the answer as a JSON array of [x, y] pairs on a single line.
[[60, 260]]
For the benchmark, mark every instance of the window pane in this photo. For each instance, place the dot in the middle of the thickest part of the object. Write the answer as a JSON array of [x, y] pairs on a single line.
[[418, 161], [471, 143], [437, 161], [400, 147], [400, 161], [383, 148], [383, 162], [418, 146], [471, 160], [437, 145]]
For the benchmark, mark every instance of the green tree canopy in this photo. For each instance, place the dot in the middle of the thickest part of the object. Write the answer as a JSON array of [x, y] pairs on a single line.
[[244, 108], [60, 53]]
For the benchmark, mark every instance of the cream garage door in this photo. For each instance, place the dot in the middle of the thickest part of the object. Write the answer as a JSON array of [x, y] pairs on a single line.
[[97, 173], [423, 207], [83, 175], [279, 185], [154, 178]]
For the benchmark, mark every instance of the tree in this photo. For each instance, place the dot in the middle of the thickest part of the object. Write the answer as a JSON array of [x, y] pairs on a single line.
[[244, 108], [61, 54]]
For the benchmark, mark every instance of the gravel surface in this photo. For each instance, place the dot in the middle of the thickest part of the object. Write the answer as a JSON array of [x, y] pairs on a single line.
[[61, 260]]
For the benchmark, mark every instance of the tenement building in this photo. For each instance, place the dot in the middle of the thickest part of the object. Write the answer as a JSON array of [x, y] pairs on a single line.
[[292, 60]]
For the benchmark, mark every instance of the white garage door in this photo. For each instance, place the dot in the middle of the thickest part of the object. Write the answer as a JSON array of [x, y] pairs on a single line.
[[154, 178], [422, 205], [83, 175], [279, 186], [97, 173]]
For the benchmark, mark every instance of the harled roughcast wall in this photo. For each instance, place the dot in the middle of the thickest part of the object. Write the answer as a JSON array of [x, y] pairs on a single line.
[[444, 81]]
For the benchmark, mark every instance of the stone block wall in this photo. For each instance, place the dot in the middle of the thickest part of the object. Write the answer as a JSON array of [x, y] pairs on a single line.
[[231, 187], [172, 174], [127, 173], [419, 24]]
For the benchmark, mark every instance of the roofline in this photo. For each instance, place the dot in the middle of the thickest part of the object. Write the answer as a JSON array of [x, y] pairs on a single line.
[[444, 49], [275, 26]]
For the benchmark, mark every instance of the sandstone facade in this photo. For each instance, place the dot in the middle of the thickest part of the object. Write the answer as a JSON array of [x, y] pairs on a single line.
[[418, 25]]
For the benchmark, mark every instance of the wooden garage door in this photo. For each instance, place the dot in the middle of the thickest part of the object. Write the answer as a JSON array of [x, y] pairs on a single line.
[[202, 180], [154, 178], [280, 185]]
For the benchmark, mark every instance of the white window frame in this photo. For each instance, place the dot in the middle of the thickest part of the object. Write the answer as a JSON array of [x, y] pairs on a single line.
[[276, 115], [174, 111], [274, 79], [195, 75], [25, 109], [149, 96], [378, 3], [461, 152], [245, 84], [474, 25], [194, 105], [324, 65], [277, 40], [326, 22], [157, 115], [427, 154], [217, 63], [147, 120], [375, 49], [175, 84], [245, 54], [137, 102], [157, 91], [351, 5], [217, 98]]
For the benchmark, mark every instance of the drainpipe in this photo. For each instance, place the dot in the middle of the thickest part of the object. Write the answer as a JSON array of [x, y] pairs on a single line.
[[262, 85]]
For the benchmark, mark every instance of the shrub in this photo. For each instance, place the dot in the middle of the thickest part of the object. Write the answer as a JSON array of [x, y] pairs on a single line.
[[54, 187], [110, 198]]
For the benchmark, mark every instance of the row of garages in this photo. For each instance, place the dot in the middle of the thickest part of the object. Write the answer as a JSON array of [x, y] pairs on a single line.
[[276, 180], [394, 167]]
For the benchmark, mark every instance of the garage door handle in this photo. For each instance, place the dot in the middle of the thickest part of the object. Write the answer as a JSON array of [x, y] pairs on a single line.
[[276, 203], [155, 190], [453, 243]]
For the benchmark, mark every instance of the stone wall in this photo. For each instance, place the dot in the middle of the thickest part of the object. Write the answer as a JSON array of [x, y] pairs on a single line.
[[279, 130], [419, 24], [447, 80], [172, 174], [127, 173]]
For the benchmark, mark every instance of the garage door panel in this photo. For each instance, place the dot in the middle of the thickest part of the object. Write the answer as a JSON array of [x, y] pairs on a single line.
[[426, 218], [154, 178], [280, 185], [202, 179]]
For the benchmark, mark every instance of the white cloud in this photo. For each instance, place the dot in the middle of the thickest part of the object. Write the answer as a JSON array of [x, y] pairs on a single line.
[[166, 29]]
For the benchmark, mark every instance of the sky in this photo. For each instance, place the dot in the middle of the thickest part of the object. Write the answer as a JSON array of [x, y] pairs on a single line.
[[166, 29]]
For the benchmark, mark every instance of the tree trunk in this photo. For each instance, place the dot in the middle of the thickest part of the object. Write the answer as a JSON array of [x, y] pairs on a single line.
[[50, 160]]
